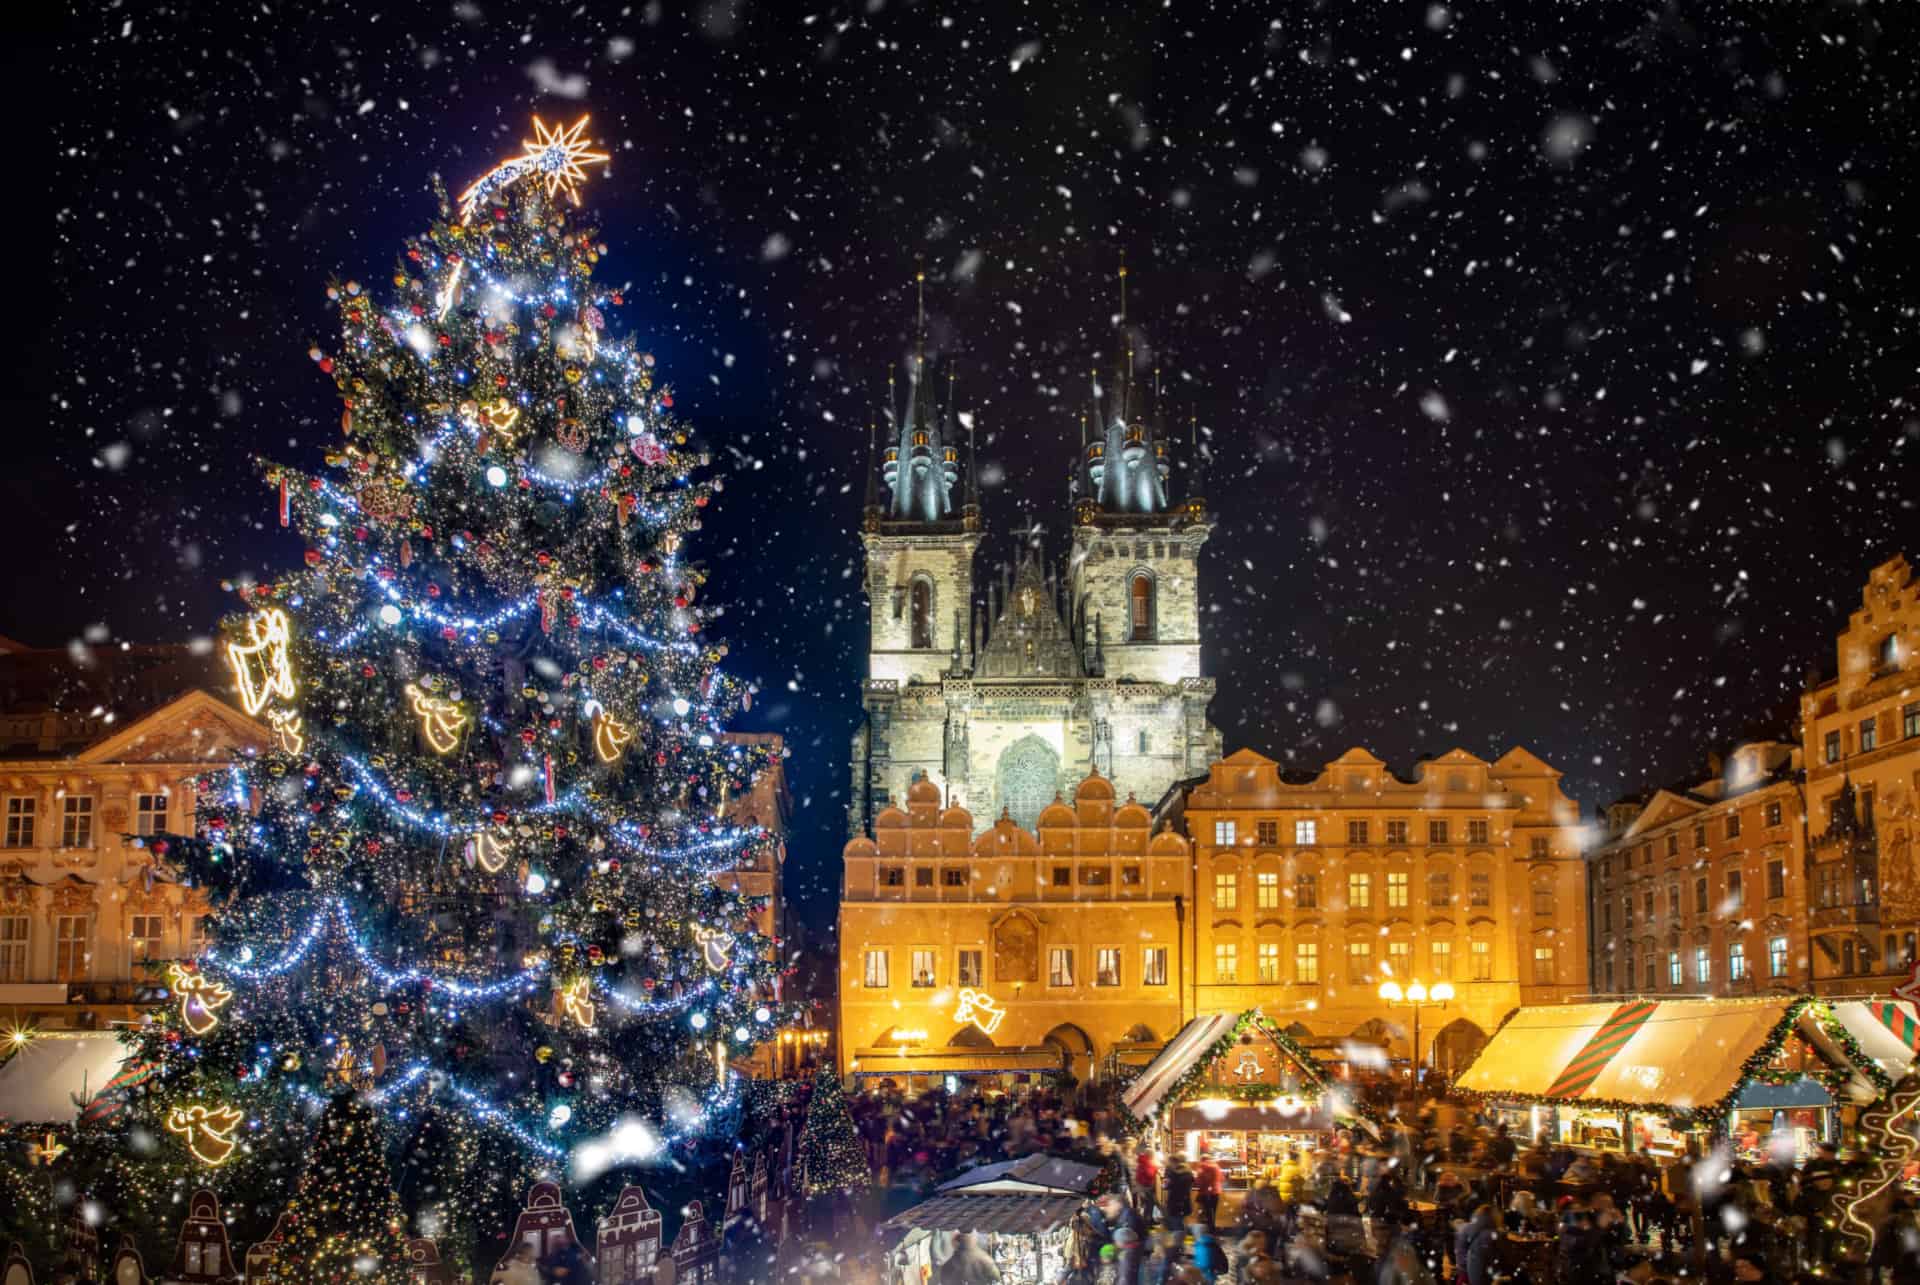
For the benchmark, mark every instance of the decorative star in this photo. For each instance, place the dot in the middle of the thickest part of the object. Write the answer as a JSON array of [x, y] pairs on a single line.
[[558, 154]]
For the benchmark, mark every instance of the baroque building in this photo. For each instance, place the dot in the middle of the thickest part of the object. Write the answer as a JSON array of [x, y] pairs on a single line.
[[1005, 690]]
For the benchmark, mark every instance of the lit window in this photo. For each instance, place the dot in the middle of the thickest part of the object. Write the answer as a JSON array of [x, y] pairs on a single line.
[[1359, 962], [20, 818], [1481, 955], [1306, 962], [1226, 890], [923, 970], [1266, 890], [876, 973], [1269, 962], [1359, 891], [150, 814], [76, 821], [1397, 881], [1226, 962], [1910, 720], [1702, 965], [1776, 957], [1106, 966], [1400, 958], [1737, 962], [1223, 833], [1543, 966], [1060, 966], [1153, 966], [1306, 832], [1674, 977], [969, 967]]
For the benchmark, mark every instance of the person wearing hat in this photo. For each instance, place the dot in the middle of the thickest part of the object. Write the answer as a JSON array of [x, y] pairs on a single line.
[[1128, 1256], [1209, 1180], [1207, 1258]]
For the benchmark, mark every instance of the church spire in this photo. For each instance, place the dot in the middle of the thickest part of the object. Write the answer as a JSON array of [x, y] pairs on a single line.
[[1124, 467], [922, 463]]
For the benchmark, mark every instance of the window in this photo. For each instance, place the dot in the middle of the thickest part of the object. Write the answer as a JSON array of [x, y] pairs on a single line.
[[1628, 964], [1436, 832], [70, 954], [1063, 876], [1674, 978], [1060, 966], [1306, 892], [954, 877], [1646, 853], [1702, 965], [1910, 720], [1869, 734], [1543, 966], [1396, 832], [1440, 960], [1357, 832], [1306, 832], [1653, 983], [1266, 833], [1733, 825], [923, 876], [1736, 892], [1699, 836], [1269, 962], [20, 817], [146, 937], [1306, 962], [1130, 876], [1477, 830], [1144, 745], [1833, 747], [1226, 962], [1543, 903], [1606, 916], [1700, 895], [1093, 876], [876, 974], [1266, 890], [1776, 957], [923, 970], [1539, 847], [920, 595], [1226, 890], [1398, 883], [1106, 966], [1773, 814], [1439, 888], [13, 948], [1737, 962], [1887, 655], [1831, 885], [197, 935], [893, 876], [1359, 962], [1776, 879], [968, 967], [1223, 833], [76, 821], [1673, 844], [149, 814], [1481, 955], [1646, 904], [1359, 891], [1400, 958], [1626, 912], [1480, 889], [1153, 966], [1140, 600], [1673, 901]]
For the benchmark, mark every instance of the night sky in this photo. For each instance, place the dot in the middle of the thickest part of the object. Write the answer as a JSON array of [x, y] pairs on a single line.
[[1558, 361]]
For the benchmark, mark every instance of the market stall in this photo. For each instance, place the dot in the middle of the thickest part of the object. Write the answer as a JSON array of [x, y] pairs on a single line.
[[914, 1067], [1239, 1089], [1663, 1077], [1020, 1212]]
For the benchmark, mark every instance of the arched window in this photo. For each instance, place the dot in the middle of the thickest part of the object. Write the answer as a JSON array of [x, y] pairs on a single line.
[[1140, 607], [920, 604]]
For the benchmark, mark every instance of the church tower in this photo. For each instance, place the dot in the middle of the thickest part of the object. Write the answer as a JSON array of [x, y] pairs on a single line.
[[921, 529], [1134, 571]]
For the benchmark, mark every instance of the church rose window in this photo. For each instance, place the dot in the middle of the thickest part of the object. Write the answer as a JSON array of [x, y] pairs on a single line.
[[1029, 777]]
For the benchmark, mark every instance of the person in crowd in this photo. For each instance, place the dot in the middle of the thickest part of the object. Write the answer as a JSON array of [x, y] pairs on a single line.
[[1341, 1202], [1209, 1180], [1207, 1257], [1473, 1247], [1253, 1251], [1164, 1267], [1179, 1193], [1146, 1185], [970, 1263]]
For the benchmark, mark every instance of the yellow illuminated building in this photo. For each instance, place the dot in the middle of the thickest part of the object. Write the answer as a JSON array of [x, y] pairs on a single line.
[[1013, 950]]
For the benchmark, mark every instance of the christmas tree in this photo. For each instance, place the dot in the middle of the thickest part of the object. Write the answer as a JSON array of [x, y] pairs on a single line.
[[471, 878], [345, 1223], [833, 1160]]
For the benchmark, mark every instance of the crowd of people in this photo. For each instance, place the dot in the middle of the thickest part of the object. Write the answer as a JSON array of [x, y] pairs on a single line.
[[1434, 1196]]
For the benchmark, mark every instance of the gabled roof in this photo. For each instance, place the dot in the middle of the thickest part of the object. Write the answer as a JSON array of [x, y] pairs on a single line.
[[1521, 759], [241, 730], [1665, 806]]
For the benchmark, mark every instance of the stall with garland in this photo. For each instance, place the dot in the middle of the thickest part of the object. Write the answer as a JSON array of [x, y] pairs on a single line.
[[1665, 1077], [1019, 1212], [1238, 1088]]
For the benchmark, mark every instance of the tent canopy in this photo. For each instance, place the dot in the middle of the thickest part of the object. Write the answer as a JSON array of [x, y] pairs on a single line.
[[1009, 1215], [1143, 1096], [1028, 1174], [39, 1084]]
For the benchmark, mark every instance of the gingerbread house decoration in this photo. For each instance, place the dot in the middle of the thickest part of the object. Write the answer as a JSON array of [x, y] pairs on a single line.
[[262, 1257], [738, 1191], [423, 1263], [544, 1227], [129, 1268], [18, 1271], [628, 1242], [202, 1256], [696, 1249]]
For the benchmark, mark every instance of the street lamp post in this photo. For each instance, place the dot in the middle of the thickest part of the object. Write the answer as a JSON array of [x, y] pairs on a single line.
[[1416, 996]]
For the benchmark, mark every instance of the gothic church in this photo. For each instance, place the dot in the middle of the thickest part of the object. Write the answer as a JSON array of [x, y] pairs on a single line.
[[1007, 692]]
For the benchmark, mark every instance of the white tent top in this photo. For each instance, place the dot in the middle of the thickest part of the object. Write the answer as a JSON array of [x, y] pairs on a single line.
[[38, 1084], [1144, 1095]]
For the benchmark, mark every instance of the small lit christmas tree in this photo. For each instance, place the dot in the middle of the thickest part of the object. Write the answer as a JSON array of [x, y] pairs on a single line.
[[345, 1223], [833, 1159]]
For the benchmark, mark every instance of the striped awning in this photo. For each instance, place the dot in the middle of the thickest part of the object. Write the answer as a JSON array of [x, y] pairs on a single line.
[[1007, 1215], [1143, 1096]]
